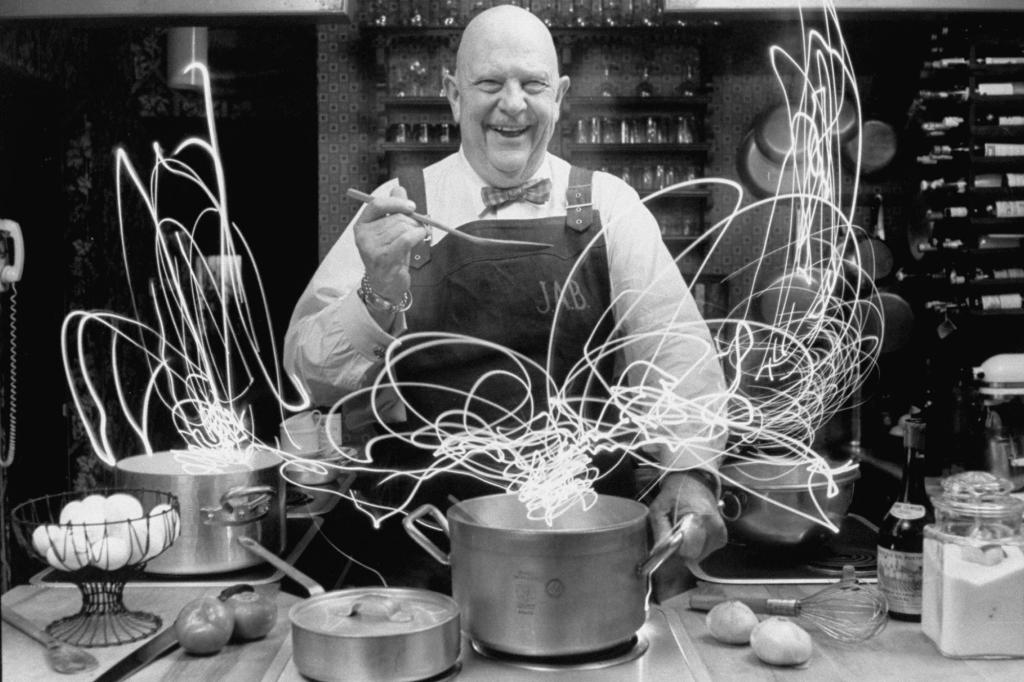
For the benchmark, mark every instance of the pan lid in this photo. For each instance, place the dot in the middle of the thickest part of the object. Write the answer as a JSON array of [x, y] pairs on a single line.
[[364, 612]]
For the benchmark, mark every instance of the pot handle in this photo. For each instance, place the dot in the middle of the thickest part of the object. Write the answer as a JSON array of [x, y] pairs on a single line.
[[731, 505], [313, 587], [409, 523], [239, 505], [666, 547]]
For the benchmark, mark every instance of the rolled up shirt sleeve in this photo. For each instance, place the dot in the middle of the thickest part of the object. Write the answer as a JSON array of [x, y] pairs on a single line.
[[333, 346]]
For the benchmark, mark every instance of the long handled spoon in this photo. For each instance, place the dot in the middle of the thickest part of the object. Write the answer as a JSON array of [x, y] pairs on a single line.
[[62, 657], [427, 220]]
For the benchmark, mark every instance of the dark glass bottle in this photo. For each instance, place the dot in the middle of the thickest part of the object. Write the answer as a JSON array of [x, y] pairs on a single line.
[[901, 534]]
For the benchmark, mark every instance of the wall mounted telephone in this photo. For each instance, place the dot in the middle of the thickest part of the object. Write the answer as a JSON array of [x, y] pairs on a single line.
[[12, 259]]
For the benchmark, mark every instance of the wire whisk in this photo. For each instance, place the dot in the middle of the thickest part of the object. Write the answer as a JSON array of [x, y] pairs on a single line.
[[847, 611]]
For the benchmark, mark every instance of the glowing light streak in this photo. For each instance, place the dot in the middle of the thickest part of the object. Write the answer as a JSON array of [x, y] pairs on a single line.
[[790, 370], [203, 351]]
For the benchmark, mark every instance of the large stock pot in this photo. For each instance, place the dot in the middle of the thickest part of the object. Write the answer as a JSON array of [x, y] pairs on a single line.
[[243, 500], [529, 589]]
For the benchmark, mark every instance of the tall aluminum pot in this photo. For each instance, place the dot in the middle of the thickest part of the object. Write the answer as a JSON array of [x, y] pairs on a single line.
[[525, 588], [216, 509]]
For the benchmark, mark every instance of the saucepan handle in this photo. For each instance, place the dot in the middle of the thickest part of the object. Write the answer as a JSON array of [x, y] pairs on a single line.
[[409, 522], [666, 547], [731, 505], [240, 505], [313, 587]]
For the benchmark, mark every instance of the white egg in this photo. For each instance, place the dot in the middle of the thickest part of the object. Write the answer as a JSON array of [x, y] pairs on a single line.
[[121, 507], [137, 537], [69, 514], [109, 553], [44, 537], [163, 529], [86, 518], [66, 561]]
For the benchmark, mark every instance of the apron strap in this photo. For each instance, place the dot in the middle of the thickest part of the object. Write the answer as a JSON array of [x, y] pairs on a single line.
[[412, 180], [579, 210]]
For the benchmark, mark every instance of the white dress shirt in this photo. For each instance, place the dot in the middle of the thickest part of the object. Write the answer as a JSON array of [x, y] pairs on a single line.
[[334, 346]]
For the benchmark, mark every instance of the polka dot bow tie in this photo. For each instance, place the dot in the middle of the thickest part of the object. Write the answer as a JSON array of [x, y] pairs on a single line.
[[536, 192]]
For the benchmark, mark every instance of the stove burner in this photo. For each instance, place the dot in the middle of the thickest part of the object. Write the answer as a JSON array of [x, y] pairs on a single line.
[[862, 561], [630, 650]]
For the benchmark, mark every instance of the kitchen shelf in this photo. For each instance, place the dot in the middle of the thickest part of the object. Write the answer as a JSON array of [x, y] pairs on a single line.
[[424, 147], [992, 284], [640, 148], [992, 163], [1000, 133], [637, 104], [395, 102]]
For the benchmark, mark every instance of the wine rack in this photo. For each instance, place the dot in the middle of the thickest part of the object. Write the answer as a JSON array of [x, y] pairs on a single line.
[[971, 163]]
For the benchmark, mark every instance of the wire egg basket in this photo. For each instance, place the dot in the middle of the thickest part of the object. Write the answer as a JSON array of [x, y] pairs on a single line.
[[100, 541]]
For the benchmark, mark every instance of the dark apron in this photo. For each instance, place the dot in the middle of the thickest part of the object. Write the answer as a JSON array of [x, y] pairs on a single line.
[[506, 295]]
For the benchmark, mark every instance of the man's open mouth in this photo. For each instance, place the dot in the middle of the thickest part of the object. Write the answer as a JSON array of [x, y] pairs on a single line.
[[510, 131]]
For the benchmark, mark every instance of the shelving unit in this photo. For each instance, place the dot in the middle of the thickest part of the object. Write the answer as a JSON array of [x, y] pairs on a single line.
[[972, 169], [670, 155]]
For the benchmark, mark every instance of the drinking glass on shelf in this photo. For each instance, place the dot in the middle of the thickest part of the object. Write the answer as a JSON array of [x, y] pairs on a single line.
[[582, 131], [450, 13], [609, 130], [545, 11], [645, 88], [651, 130], [418, 75], [648, 12], [399, 84], [595, 130], [610, 12], [647, 179], [627, 176], [690, 83], [659, 176], [477, 7], [379, 15], [683, 130], [582, 14], [564, 12], [607, 87]]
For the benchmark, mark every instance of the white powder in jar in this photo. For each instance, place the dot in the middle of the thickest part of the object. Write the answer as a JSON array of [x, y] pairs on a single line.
[[973, 602]]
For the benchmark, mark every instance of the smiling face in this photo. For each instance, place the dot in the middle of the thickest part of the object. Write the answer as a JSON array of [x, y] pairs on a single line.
[[506, 94]]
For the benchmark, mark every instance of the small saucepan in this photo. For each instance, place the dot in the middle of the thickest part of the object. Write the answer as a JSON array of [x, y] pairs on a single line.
[[369, 634]]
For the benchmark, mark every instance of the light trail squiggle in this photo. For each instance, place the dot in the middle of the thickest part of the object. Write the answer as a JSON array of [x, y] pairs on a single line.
[[789, 369], [792, 369], [204, 351]]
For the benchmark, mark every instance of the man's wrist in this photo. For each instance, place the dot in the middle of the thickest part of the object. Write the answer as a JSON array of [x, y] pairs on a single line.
[[708, 478], [375, 302]]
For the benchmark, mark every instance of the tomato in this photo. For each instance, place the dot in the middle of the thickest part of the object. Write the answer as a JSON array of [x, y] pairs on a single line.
[[255, 614], [204, 625]]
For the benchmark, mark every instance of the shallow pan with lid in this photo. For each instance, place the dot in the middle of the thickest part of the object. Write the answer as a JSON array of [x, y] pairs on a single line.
[[369, 634]]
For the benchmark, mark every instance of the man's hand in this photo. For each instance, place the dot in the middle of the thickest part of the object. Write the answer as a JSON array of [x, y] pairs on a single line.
[[385, 236], [685, 493]]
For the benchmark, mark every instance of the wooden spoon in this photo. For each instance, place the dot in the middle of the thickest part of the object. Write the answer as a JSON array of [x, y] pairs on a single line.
[[427, 220], [62, 657]]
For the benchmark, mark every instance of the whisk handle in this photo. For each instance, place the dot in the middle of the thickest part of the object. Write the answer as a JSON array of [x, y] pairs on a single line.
[[703, 601]]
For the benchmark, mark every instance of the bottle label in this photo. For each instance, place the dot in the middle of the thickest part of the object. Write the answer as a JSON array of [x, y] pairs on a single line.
[[899, 578], [907, 511]]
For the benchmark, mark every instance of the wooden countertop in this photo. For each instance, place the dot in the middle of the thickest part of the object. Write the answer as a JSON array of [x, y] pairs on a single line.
[[23, 658], [900, 652]]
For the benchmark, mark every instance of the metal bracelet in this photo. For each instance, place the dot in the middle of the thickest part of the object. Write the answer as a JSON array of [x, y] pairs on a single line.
[[375, 301]]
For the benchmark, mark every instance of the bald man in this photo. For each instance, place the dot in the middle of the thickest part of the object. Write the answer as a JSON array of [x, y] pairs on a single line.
[[388, 275]]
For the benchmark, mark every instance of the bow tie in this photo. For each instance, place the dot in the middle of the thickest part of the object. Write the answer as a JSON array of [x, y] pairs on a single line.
[[536, 192]]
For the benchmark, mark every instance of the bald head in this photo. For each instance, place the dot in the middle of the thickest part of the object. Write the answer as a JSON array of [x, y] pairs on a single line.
[[506, 94], [504, 25]]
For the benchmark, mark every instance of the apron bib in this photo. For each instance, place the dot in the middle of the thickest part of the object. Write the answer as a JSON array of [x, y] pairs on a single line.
[[508, 296]]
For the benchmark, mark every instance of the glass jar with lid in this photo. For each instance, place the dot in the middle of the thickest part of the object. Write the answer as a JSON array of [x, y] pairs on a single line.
[[973, 569]]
